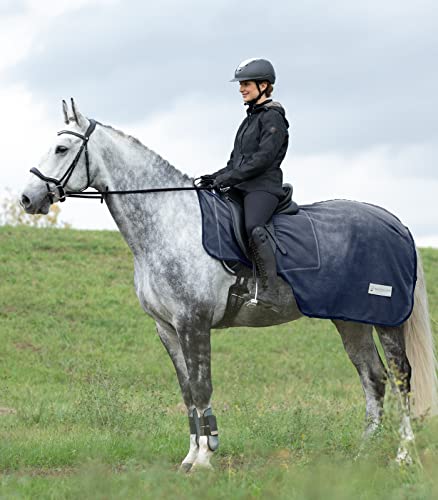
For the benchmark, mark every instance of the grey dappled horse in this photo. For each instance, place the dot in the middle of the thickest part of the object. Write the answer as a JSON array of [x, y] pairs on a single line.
[[185, 290]]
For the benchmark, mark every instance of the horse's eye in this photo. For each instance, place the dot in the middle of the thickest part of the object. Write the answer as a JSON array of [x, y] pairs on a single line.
[[60, 149]]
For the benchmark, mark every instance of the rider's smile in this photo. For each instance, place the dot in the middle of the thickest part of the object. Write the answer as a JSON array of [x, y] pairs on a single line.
[[249, 90]]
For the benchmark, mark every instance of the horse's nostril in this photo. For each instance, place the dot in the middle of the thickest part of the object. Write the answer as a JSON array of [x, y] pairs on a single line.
[[25, 201]]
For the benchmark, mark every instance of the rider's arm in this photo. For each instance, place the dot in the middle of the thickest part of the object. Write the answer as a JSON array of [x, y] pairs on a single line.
[[227, 167]]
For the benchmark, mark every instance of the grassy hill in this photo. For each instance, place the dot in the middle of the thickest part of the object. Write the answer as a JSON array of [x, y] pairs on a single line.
[[90, 406]]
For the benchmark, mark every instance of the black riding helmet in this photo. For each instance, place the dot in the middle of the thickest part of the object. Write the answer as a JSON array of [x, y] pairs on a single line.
[[256, 70]]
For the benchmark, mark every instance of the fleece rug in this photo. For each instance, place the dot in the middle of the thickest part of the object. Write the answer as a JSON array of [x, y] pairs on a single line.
[[345, 259]]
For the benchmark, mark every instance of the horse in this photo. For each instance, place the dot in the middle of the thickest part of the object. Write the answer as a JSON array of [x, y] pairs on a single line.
[[185, 290]]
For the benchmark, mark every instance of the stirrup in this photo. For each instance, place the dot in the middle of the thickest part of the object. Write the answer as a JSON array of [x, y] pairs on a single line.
[[252, 303], [269, 307]]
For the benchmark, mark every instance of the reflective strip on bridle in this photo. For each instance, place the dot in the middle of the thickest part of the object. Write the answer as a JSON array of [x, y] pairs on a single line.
[[61, 183]]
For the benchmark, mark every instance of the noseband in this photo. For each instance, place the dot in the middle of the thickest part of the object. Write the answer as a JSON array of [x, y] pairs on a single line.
[[60, 184]]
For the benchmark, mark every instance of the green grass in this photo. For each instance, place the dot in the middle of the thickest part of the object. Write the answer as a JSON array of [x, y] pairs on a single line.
[[90, 406]]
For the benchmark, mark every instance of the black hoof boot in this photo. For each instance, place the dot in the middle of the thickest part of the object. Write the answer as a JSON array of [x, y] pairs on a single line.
[[266, 265]]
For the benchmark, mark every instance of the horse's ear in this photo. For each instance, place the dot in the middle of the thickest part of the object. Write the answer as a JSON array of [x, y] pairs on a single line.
[[65, 112], [78, 116]]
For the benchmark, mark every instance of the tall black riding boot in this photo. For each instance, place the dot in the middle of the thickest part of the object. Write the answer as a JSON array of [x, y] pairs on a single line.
[[264, 259]]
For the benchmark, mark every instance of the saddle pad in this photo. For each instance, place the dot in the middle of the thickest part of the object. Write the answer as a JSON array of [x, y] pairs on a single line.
[[345, 259]]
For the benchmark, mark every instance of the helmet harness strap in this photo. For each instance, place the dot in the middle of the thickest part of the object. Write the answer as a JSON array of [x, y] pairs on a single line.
[[254, 101]]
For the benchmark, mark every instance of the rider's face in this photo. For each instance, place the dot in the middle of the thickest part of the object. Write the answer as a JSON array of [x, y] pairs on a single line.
[[249, 89]]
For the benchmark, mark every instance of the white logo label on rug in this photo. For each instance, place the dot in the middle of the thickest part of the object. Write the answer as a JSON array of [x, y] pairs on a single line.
[[383, 290]]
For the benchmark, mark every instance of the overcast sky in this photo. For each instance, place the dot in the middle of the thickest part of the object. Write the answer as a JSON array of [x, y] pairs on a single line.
[[358, 80]]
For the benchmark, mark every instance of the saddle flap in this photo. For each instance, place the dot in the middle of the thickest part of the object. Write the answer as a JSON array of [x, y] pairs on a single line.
[[234, 201], [287, 206]]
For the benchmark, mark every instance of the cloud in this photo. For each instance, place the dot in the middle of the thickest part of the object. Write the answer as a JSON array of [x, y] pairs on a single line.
[[26, 130], [24, 25], [352, 77], [12, 7], [368, 176]]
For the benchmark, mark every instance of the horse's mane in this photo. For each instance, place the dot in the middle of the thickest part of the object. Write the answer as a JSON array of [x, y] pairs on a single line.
[[164, 163]]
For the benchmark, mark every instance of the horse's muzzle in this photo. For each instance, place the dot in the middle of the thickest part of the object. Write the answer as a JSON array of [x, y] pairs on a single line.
[[35, 206], [25, 202]]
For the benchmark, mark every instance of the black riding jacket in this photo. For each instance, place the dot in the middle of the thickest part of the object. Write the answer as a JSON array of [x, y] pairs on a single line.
[[259, 148]]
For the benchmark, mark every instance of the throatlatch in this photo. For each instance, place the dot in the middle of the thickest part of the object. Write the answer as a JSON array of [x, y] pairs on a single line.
[[204, 425]]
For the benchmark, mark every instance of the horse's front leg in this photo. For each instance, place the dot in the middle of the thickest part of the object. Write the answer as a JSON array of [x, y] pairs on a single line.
[[195, 343], [171, 342]]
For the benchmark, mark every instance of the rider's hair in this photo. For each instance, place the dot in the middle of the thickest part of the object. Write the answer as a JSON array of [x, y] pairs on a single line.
[[269, 89]]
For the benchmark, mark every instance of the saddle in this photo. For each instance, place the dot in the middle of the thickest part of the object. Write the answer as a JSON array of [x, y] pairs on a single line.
[[235, 203]]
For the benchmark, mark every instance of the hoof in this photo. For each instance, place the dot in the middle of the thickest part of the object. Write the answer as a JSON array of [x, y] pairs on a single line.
[[185, 467], [201, 468]]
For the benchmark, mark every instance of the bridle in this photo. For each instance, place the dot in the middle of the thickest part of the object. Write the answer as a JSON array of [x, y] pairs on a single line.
[[62, 182], [59, 189]]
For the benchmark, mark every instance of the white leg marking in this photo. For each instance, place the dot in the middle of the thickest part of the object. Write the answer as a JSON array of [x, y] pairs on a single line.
[[188, 462], [407, 437], [204, 455]]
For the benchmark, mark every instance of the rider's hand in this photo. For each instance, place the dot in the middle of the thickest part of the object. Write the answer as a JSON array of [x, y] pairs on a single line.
[[221, 182], [206, 181]]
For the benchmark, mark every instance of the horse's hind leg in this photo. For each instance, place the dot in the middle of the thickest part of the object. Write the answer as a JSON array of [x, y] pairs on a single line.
[[359, 344], [393, 343]]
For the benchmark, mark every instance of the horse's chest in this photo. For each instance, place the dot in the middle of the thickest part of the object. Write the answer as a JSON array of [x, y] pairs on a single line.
[[156, 292]]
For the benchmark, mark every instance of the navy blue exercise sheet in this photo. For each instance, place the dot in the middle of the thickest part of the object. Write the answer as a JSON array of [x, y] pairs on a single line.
[[345, 259]]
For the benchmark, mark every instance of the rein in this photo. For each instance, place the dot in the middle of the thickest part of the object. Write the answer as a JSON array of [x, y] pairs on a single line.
[[101, 195], [60, 192]]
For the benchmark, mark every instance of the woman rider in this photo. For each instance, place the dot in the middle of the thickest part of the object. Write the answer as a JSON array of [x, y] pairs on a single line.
[[254, 166]]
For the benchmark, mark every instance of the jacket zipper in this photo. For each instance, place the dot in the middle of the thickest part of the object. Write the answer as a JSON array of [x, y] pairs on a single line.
[[241, 140]]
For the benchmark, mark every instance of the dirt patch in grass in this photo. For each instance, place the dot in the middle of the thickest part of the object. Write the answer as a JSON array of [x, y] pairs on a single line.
[[41, 472], [22, 346], [7, 411]]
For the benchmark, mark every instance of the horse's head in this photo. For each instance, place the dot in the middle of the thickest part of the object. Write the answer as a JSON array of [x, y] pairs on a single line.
[[64, 167]]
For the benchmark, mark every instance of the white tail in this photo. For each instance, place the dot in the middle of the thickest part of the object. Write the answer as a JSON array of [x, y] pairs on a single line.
[[420, 350]]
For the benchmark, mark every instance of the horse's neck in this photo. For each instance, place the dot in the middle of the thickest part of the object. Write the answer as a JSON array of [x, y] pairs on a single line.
[[147, 221]]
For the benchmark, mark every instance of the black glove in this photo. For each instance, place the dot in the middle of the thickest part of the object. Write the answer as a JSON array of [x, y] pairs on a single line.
[[221, 181], [206, 181]]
